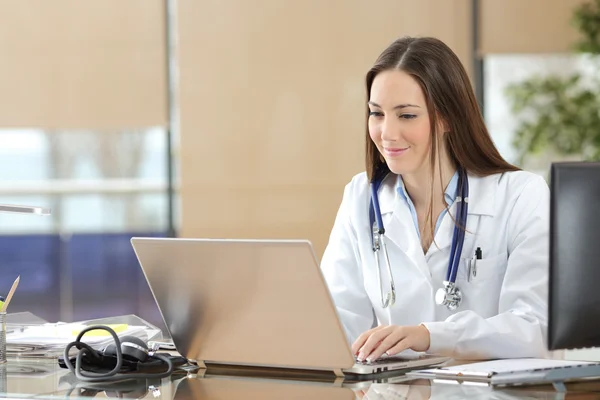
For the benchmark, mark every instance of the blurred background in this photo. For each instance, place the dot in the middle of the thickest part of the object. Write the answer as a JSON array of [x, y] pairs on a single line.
[[239, 119]]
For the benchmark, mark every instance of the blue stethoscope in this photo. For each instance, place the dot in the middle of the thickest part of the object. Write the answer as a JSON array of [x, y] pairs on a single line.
[[450, 295]]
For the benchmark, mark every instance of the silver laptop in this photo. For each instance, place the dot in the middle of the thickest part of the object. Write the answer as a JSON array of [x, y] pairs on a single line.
[[253, 303]]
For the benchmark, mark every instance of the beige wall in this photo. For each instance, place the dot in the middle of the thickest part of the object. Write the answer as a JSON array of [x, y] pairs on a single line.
[[527, 26], [82, 64], [271, 91], [272, 106]]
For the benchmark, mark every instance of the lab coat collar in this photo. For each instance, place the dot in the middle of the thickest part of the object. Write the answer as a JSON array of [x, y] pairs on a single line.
[[388, 195], [482, 194]]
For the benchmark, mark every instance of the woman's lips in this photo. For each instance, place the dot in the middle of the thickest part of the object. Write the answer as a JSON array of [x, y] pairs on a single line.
[[394, 152]]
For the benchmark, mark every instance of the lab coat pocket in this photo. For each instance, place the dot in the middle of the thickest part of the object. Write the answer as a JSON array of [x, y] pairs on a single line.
[[483, 270], [481, 292]]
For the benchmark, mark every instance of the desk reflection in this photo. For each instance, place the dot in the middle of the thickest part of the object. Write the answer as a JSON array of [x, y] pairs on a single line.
[[46, 379], [417, 391], [216, 388], [424, 389], [124, 389], [228, 388]]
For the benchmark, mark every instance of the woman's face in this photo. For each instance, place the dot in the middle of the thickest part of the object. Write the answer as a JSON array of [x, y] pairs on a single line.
[[399, 122]]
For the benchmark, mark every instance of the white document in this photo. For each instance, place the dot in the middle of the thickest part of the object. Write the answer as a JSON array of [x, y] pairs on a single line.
[[515, 365], [510, 371]]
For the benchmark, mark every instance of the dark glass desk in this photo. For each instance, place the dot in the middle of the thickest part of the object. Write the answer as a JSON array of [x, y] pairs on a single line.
[[43, 379]]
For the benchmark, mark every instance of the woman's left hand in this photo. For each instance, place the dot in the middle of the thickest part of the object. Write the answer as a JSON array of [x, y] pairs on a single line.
[[390, 339]]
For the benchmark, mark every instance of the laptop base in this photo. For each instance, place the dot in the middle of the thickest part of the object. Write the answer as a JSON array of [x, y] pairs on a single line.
[[359, 372]]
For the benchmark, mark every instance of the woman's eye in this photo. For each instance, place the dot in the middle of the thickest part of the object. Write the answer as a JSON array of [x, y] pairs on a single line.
[[408, 116], [375, 114]]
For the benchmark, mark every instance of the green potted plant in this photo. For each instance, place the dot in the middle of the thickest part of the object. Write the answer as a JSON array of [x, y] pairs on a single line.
[[559, 117]]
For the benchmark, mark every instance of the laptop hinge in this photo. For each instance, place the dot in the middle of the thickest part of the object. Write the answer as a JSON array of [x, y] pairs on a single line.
[[338, 373], [199, 363], [199, 374]]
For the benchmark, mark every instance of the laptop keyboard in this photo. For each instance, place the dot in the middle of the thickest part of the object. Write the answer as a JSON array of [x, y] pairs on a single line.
[[381, 361]]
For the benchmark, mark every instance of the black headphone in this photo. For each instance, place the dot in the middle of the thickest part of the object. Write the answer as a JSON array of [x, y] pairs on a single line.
[[128, 353]]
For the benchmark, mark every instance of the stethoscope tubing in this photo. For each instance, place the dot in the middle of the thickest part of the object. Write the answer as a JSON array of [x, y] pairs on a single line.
[[457, 236]]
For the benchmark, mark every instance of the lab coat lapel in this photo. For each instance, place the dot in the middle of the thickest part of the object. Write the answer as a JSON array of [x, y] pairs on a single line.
[[482, 192], [396, 215], [399, 226], [482, 195], [440, 247], [443, 237]]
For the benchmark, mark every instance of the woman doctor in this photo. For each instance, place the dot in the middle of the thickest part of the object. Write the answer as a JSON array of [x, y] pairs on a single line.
[[462, 265]]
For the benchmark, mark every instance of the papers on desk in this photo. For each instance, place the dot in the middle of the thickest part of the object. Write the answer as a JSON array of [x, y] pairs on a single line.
[[514, 371], [62, 334], [50, 339]]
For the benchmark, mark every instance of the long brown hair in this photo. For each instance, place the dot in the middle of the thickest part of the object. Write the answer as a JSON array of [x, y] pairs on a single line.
[[449, 96]]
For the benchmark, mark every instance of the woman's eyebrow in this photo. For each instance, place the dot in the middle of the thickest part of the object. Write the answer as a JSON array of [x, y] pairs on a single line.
[[395, 108]]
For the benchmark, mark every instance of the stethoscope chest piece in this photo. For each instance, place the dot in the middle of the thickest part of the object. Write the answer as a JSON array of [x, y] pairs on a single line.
[[449, 296]]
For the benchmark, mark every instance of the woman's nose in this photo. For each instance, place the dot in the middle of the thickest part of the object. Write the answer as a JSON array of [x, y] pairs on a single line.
[[389, 130]]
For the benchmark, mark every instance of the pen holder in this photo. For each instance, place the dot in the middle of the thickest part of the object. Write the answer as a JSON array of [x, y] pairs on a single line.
[[2, 337]]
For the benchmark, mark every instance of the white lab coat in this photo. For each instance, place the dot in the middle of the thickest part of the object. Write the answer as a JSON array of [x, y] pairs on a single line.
[[504, 308]]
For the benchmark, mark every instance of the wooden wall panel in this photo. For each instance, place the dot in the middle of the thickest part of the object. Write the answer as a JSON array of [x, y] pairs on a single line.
[[82, 64], [273, 105], [527, 26]]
